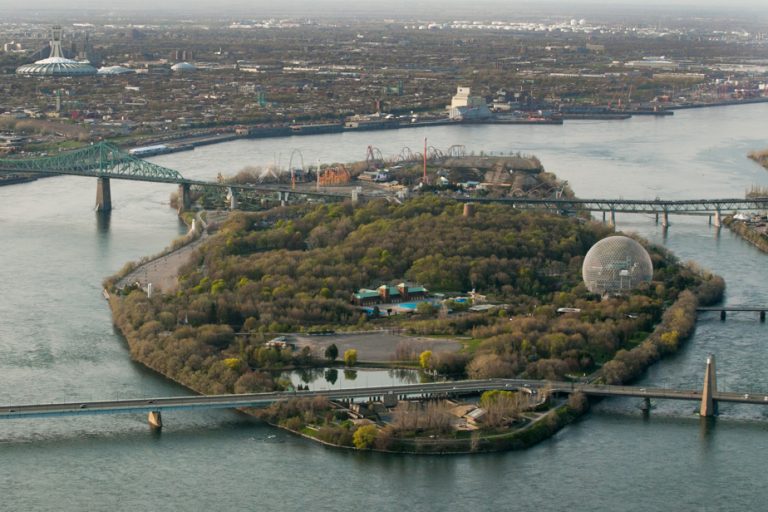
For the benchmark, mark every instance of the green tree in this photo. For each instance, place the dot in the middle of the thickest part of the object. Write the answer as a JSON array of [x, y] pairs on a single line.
[[332, 352], [331, 376], [425, 308], [365, 436], [350, 357]]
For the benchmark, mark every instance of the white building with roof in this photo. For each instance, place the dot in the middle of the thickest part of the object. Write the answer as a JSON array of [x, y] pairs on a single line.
[[464, 106], [56, 64]]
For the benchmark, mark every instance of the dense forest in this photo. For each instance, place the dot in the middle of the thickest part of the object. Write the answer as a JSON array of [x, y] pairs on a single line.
[[294, 269]]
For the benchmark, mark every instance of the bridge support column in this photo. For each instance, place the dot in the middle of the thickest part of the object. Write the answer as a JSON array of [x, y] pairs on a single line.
[[762, 316], [155, 420], [708, 402], [185, 197], [665, 219], [284, 199], [718, 219], [613, 218], [103, 195], [646, 406], [232, 199], [722, 315]]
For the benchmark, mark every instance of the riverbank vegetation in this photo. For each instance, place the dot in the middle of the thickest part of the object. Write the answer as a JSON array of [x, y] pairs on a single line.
[[754, 230], [294, 269]]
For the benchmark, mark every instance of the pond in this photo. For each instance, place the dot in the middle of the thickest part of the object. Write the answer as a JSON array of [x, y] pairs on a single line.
[[341, 378]]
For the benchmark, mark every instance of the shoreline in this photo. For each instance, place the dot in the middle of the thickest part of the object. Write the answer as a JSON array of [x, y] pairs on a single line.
[[186, 143], [648, 352], [747, 233]]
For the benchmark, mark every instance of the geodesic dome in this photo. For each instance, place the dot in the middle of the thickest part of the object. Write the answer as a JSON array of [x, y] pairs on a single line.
[[616, 264]]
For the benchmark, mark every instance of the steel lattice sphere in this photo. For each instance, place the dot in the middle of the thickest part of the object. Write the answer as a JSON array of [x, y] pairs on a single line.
[[616, 264]]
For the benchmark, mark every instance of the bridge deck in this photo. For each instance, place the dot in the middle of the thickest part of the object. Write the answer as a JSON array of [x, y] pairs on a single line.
[[439, 389]]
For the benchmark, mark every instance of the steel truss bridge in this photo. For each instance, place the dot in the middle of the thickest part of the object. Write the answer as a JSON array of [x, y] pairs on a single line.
[[102, 160], [106, 161], [685, 206]]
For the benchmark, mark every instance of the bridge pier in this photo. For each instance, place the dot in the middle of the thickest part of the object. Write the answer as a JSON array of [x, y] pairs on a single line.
[[708, 402], [646, 406], [762, 316], [155, 420], [665, 219], [722, 316], [613, 218], [185, 197], [232, 199], [718, 219], [103, 195]]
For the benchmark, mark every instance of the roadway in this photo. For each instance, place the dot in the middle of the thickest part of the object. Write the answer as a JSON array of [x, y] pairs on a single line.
[[454, 388]]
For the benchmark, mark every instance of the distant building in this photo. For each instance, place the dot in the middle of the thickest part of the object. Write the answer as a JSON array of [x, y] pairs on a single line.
[[386, 294], [56, 64], [464, 106], [183, 67]]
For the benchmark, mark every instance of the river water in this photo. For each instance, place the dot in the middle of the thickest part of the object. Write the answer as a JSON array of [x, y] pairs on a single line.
[[57, 344]]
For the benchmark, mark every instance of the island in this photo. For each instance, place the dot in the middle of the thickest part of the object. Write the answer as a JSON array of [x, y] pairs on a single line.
[[452, 291]]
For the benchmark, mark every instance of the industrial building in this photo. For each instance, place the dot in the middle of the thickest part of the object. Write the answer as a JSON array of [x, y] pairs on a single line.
[[465, 107]]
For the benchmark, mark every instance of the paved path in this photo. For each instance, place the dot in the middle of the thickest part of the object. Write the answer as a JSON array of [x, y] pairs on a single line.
[[163, 272]]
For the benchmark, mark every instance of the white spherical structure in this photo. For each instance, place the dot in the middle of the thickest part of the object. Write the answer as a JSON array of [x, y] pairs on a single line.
[[616, 264]]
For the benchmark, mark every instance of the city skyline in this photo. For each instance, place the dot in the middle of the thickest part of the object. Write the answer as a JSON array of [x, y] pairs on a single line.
[[399, 8]]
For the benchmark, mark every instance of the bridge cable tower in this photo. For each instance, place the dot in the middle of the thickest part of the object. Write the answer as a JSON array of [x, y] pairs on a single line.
[[708, 402]]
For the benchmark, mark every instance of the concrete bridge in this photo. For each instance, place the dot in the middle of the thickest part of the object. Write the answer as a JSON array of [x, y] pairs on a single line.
[[708, 397]]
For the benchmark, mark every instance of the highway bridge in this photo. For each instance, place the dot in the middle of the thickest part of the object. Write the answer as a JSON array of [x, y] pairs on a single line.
[[708, 397], [106, 161]]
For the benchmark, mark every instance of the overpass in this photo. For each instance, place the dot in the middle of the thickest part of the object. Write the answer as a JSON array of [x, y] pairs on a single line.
[[708, 397]]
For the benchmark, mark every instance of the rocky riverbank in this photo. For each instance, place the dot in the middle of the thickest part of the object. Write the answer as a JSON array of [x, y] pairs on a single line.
[[753, 230]]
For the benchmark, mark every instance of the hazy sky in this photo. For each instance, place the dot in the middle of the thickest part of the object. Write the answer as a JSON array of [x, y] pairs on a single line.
[[753, 10], [253, 5]]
